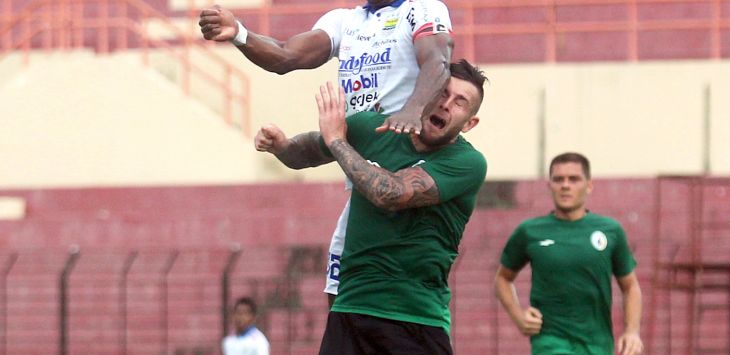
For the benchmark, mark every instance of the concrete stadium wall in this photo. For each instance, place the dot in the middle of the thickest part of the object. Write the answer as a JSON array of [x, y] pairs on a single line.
[[283, 231], [76, 119]]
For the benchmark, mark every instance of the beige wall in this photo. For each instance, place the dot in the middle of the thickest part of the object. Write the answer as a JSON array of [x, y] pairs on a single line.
[[630, 119], [76, 119], [80, 120]]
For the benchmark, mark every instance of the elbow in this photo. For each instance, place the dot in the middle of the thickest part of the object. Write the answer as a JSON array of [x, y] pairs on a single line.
[[389, 206], [283, 67], [281, 70]]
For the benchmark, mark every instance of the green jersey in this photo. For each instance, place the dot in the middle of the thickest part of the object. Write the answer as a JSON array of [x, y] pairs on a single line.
[[572, 264], [395, 265]]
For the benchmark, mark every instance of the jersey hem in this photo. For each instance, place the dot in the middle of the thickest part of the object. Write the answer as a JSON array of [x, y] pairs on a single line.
[[392, 316]]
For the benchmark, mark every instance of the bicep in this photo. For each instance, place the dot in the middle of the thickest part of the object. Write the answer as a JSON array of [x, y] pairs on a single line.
[[309, 49], [419, 188], [506, 274], [627, 282]]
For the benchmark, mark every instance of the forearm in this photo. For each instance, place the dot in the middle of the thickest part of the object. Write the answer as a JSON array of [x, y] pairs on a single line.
[[267, 53], [433, 55], [303, 151], [507, 295], [632, 310], [302, 51], [379, 186]]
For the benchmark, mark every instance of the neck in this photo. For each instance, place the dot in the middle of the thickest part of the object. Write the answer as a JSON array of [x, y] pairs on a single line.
[[571, 215], [423, 147]]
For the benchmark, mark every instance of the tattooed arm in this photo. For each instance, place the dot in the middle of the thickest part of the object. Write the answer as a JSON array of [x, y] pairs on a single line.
[[406, 188], [298, 152]]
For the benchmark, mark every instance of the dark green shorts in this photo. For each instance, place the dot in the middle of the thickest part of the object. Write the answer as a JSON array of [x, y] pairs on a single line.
[[546, 344]]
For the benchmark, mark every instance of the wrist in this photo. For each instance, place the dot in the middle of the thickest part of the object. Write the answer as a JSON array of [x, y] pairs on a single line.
[[329, 141], [241, 35]]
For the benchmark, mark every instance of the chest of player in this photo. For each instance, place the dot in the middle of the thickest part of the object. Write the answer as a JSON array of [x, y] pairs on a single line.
[[376, 39], [394, 152], [562, 250]]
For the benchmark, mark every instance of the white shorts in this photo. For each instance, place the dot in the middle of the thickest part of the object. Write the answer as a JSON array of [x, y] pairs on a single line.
[[336, 247]]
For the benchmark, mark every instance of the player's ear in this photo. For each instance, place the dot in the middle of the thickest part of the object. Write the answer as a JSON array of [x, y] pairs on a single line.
[[590, 187], [470, 123]]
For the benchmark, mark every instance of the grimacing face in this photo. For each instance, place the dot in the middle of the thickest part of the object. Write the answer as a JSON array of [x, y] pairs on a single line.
[[451, 115], [569, 186]]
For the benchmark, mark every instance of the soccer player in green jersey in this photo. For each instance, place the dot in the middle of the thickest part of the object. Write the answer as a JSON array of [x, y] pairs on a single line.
[[413, 195], [573, 253]]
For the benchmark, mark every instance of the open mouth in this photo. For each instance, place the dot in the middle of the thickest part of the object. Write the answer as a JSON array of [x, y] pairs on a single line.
[[437, 121]]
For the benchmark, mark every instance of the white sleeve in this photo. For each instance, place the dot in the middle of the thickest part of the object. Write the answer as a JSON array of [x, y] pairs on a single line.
[[331, 23], [263, 346], [430, 17]]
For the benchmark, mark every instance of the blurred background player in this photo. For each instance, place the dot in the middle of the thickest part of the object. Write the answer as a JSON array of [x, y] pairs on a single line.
[[393, 58], [573, 254], [412, 197], [248, 340]]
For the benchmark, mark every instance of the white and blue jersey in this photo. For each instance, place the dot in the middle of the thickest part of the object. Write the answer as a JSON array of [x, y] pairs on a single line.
[[250, 342], [377, 69], [378, 66]]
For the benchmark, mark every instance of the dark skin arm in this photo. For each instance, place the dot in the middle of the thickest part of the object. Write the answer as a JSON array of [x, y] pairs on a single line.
[[405, 188], [433, 54], [302, 51]]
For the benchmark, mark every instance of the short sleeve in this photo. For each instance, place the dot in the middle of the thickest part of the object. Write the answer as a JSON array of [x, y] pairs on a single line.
[[457, 172], [622, 259], [331, 23], [429, 17], [514, 255]]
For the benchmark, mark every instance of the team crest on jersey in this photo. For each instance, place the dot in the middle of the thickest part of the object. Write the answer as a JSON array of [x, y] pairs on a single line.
[[599, 240], [390, 24]]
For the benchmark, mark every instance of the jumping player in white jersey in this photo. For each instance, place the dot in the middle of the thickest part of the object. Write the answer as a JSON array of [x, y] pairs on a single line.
[[393, 56]]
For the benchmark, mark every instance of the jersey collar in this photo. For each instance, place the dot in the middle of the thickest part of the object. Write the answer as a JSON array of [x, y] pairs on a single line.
[[372, 10]]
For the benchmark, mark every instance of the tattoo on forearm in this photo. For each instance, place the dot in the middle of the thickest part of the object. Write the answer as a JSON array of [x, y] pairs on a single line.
[[408, 188], [303, 152]]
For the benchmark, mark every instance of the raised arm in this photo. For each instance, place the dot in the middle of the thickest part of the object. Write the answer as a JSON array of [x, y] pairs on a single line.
[[630, 342], [298, 152], [406, 188], [529, 321], [302, 51], [433, 54]]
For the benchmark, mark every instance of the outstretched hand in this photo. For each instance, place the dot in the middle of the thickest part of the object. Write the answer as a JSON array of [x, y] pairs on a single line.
[[331, 105], [218, 24], [402, 122], [270, 138]]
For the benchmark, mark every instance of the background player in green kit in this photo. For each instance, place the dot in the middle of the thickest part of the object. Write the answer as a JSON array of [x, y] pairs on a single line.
[[573, 254], [413, 195]]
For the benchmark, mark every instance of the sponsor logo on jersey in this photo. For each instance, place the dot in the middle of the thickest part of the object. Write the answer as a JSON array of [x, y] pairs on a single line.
[[418, 163], [411, 18], [547, 242], [364, 82], [599, 240], [384, 42], [363, 101], [355, 65]]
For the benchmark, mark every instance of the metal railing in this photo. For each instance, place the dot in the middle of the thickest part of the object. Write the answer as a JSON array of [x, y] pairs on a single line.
[[467, 17], [120, 25]]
